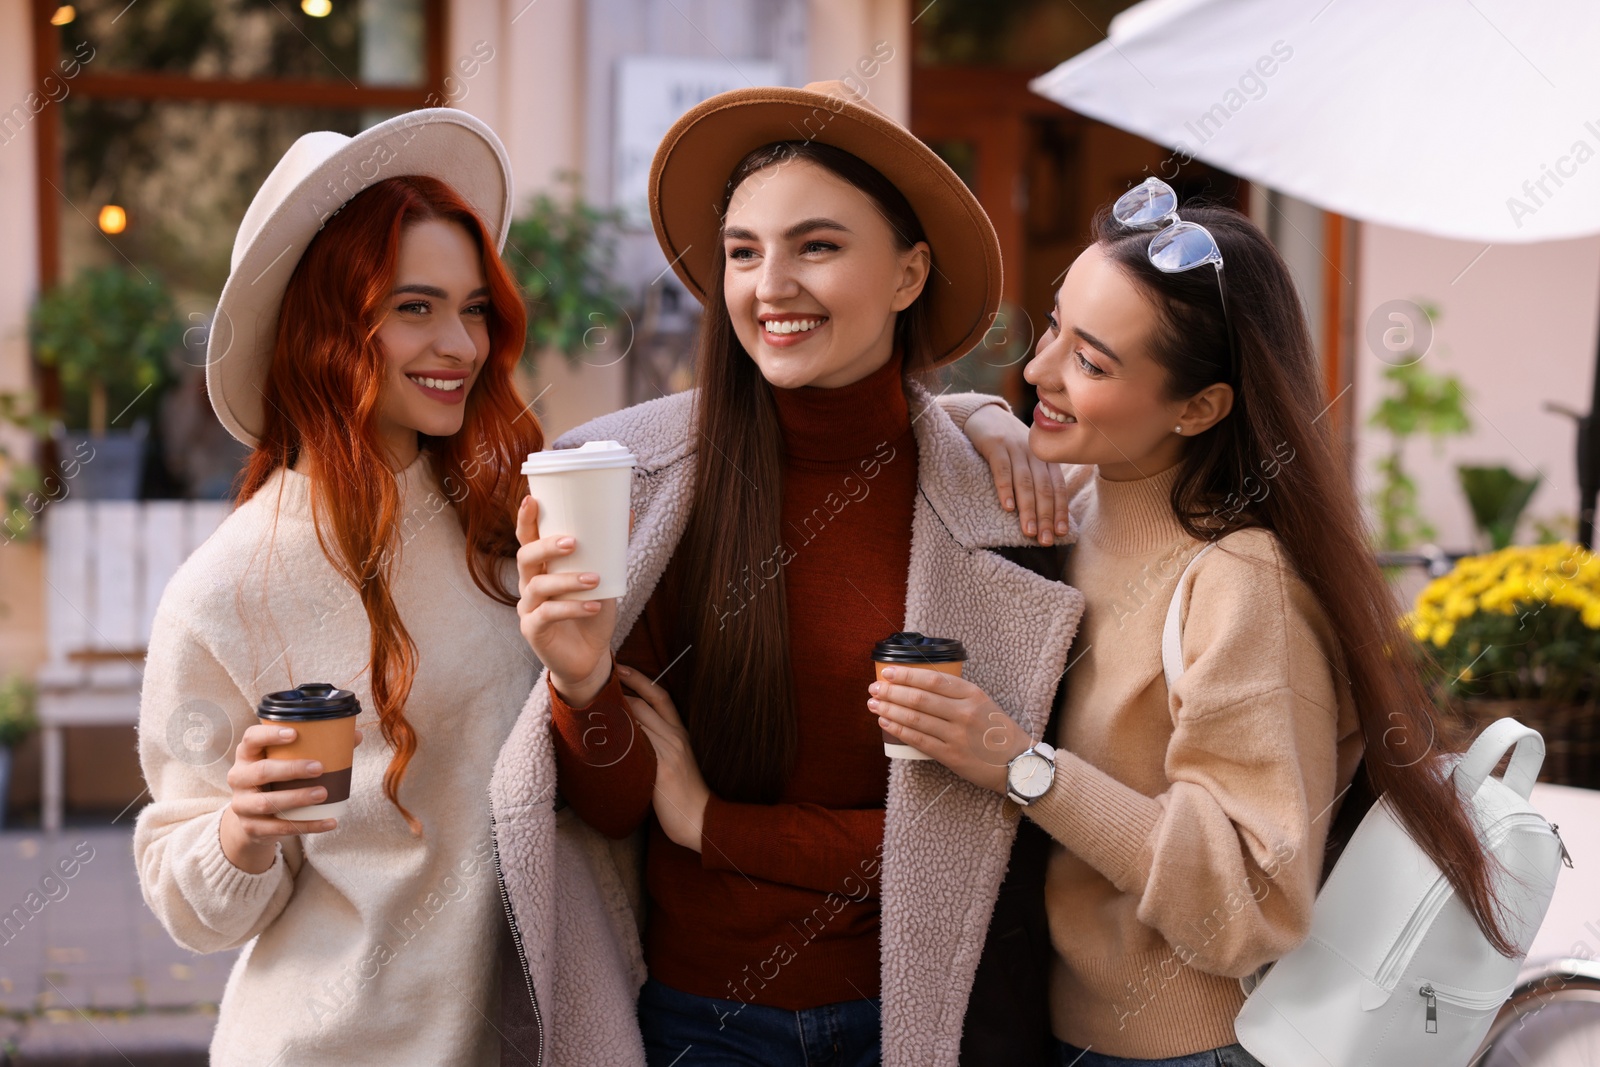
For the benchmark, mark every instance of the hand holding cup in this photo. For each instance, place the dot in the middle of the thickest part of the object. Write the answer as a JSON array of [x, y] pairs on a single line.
[[252, 823], [571, 637]]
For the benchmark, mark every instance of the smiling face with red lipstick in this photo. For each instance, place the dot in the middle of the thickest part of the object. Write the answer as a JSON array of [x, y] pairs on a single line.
[[1103, 398], [434, 335], [814, 276]]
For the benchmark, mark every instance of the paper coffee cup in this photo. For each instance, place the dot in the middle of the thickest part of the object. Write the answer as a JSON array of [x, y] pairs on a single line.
[[911, 649], [324, 721], [584, 493]]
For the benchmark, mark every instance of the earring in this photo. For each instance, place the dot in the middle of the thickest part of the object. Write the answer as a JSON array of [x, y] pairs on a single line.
[[1177, 429]]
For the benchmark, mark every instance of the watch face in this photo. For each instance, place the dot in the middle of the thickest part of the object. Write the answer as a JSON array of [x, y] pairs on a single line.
[[1030, 775]]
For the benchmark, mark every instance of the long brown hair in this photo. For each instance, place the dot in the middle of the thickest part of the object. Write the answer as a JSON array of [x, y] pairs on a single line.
[[1274, 463], [321, 399], [742, 720]]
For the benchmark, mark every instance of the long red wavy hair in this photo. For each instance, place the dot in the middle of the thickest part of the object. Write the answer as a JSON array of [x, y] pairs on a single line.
[[321, 393]]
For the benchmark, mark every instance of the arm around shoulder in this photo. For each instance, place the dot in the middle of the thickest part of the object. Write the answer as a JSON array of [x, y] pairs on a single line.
[[962, 406]]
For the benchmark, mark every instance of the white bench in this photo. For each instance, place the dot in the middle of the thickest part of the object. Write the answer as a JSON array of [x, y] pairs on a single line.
[[106, 565]]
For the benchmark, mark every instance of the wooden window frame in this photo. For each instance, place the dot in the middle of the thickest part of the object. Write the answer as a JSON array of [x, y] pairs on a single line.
[[142, 86]]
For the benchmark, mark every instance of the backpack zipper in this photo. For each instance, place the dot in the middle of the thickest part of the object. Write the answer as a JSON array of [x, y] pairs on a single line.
[[516, 935], [1470, 999], [1405, 945], [1566, 857]]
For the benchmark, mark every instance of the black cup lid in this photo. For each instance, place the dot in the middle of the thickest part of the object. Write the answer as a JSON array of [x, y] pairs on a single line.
[[314, 700], [912, 647]]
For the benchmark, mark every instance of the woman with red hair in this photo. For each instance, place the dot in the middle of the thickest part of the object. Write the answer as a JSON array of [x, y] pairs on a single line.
[[364, 347]]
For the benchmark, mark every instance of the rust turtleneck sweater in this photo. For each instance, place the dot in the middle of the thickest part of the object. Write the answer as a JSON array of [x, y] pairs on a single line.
[[780, 906]]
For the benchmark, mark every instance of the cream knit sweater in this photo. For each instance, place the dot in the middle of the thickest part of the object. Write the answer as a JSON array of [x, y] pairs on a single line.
[[366, 944], [1189, 826]]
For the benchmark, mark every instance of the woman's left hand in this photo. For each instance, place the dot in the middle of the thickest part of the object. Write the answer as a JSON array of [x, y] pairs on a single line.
[[1034, 488], [950, 719], [681, 794]]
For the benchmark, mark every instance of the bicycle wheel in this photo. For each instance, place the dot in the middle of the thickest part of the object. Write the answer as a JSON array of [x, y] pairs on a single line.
[[1552, 1020]]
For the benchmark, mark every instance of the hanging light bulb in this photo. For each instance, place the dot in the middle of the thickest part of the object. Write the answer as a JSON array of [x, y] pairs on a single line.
[[113, 219], [317, 9]]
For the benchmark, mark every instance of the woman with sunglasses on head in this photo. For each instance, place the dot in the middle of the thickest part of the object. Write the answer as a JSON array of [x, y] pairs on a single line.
[[802, 894], [1189, 823]]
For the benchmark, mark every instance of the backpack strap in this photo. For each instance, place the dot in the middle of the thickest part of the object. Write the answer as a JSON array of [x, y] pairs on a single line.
[[1172, 632]]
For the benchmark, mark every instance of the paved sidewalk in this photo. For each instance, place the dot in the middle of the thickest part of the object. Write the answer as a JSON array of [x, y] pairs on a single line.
[[87, 974]]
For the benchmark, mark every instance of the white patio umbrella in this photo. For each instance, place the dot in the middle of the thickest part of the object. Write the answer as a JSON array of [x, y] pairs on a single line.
[[1472, 119]]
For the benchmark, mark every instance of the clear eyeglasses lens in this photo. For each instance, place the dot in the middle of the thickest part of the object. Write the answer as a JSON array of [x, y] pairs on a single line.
[[1183, 246], [1146, 204]]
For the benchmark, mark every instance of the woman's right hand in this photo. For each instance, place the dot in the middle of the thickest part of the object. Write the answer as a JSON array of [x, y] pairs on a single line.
[[251, 825], [571, 637]]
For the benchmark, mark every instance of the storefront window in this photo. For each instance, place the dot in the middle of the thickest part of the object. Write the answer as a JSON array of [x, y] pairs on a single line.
[[171, 113]]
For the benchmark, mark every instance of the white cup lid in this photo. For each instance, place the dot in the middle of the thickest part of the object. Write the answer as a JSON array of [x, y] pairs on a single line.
[[595, 455]]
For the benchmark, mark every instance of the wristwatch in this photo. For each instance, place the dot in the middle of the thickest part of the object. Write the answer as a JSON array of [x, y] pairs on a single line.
[[1030, 774]]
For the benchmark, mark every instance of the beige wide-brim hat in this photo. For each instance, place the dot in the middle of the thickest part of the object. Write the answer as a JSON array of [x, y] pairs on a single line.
[[319, 174], [688, 193]]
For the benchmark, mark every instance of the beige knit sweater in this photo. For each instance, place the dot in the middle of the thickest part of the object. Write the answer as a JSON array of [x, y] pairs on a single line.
[[366, 944], [1189, 825]]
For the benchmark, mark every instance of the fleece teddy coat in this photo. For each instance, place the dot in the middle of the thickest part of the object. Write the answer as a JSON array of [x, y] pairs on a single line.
[[576, 898]]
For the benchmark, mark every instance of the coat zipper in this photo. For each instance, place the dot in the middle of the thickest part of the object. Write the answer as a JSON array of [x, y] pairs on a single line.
[[516, 935]]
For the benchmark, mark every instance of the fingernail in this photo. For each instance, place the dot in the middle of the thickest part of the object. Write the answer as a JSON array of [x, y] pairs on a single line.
[[1061, 527], [874, 705], [285, 733], [1010, 503], [1046, 539], [566, 542], [313, 767], [874, 689], [891, 673], [1030, 527], [623, 670], [319, 794]]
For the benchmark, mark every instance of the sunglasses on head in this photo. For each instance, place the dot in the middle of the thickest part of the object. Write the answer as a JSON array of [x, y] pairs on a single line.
[[1178, 246]]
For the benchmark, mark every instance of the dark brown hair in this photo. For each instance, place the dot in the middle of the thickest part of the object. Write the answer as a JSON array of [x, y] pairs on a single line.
[[741, 716], [1274, 463], [322, 391]]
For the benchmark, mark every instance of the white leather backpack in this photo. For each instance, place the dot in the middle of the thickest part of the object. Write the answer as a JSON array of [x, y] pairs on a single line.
[[1395, 972]]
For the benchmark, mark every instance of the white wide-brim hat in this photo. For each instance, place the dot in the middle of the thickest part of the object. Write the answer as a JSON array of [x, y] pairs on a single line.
[[319, 174]]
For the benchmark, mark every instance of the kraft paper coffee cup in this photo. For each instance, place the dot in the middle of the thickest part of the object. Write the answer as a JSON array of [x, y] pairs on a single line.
[[324, 720], [911, 649], [584, 493]]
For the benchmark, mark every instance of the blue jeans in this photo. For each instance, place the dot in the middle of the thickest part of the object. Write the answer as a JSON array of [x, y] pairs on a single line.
[[685, 1030], [1227, 1056]]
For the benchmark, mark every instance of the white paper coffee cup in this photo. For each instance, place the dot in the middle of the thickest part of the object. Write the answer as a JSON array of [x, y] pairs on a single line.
[[584, 493]]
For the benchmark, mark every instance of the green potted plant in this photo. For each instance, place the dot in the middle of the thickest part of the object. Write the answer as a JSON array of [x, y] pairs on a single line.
[[1517, 632], [1418, 402], [1497, 497], [110, 334], [17, 722], [562, 251], [23, 487]]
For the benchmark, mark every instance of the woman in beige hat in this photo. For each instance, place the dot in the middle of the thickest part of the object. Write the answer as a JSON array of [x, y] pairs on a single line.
[[800, 893], [363, 347]]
